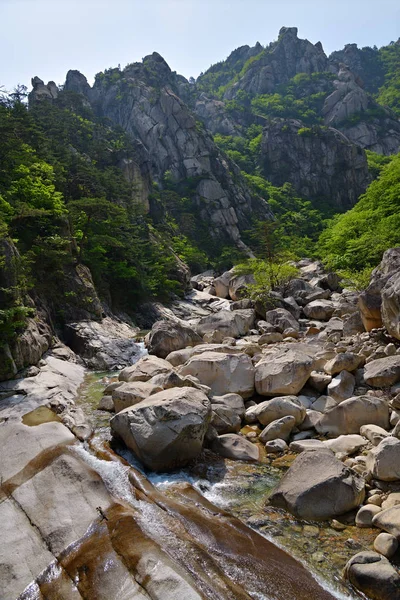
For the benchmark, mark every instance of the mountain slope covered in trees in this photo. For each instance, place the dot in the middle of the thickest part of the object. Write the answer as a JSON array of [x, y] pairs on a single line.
[[110, 194]]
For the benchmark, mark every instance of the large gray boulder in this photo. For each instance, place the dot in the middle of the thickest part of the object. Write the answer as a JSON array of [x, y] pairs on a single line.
[[350, 415], [167, 430], [145, 368], [238, 286], [318, 486], [166, 337], [271, 410], [279, 429], [373, 575], [389, 520], [281, 319], [223, 373], [383, 461], [319, 309], [235, 447], [370, 301], [128, 394], [382, 372], [390, 308], [226, 323], [284, 373]]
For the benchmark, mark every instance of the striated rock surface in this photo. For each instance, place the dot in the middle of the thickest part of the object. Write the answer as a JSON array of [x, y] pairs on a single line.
[[320, 163]]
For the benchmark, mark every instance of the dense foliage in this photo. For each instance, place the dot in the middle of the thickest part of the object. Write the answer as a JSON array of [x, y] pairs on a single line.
[[357, 239]]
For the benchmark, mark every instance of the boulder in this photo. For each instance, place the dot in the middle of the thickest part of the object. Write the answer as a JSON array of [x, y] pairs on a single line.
[[386, 544], [346, 444], [226, 323], [270, 338], [318, 486], [302, 445], [373, 575], [285, 373], [281, 319], [342, 386], [276, 446], [323, 404], [373, 433], [344, 361], [167, 430], [132, 393], [238, 286], [319, 381], [370, 300], [350, 415], [389, 520], [365, 515], [382, 372], [271, 410], [223, 373], [390, 308], [235, 447], [232, 401], [224, 419], [166, 337], [319, 309], [383, 461], [145, 368], [279, 429], [221, 284]]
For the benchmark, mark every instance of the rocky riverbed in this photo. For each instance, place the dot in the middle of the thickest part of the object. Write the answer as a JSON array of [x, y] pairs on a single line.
[[277, 424]]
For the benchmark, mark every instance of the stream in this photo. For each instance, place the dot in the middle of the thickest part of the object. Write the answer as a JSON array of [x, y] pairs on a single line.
[[240, 489]]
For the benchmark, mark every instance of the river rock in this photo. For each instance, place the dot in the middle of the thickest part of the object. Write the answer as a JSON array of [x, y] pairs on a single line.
[[386, 544], [346, 444], [302, 445], [235, 447], [145, 368], [318, 486], [278, 429], [345, 361], [223, 373], [225, 420], [271, 410], [319, 309], [373, 575], [365, 515], [389, 520], [166, 337], [383, 461], [276, 446], [342, 386], [285, 373], [226, 323], [129, 394], [382, 372], [348, 416], [232, 401], [373, 433], [167, 430]]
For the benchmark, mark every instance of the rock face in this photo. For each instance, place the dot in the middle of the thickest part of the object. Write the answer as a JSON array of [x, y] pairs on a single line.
[[223, 373], [319, 163], [145, 100], [166, 337], [373, 575], [285, 373], [167, 430], [318, 486]]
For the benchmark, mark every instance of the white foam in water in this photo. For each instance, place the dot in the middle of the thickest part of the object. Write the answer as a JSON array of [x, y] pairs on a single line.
[[114, 475]]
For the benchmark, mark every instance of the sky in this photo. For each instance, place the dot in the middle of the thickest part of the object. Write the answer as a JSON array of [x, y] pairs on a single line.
[[49, 37]]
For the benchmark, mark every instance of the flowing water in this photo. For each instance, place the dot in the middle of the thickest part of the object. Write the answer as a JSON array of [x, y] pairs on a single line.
[[189, 513]]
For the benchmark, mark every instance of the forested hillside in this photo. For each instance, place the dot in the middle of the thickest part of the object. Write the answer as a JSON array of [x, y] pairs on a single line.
[[111, 194]]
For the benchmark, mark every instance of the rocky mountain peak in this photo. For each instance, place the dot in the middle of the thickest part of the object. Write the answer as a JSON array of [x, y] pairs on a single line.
[[288, 31], [41, 91]]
